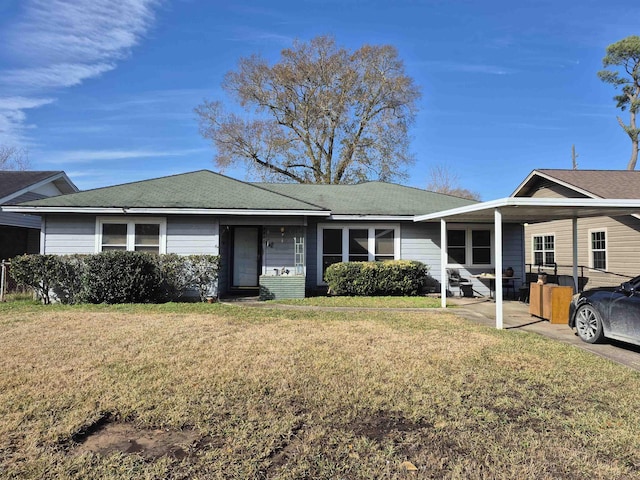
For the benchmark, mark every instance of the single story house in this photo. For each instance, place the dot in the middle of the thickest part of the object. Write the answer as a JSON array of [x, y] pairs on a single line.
[[266, 230], [270, 234], [608, 246], [19, 232]]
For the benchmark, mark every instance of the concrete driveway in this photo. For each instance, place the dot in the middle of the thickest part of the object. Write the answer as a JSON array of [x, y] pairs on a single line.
[[517, 317]]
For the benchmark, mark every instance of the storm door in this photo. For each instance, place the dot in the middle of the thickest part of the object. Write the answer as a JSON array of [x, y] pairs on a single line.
[[246, 257]]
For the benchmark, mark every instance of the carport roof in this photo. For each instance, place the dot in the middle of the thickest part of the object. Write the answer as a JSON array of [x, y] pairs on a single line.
[[524, 210], [535, 210]]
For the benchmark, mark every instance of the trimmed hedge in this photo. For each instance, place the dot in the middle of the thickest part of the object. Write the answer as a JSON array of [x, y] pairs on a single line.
[[122, 277], [116, 276], [396, 277]]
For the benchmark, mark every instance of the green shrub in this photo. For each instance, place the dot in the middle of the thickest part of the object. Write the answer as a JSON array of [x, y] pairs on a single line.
[[122, 277], [69, 285], [38, 272], [202, 274], [117, 276], [181, 274], [397, 277], [175, 278]]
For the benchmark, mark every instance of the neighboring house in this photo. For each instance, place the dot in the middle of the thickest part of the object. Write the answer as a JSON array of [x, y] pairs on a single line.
[[262, 230], [20, 233], [605, 244]]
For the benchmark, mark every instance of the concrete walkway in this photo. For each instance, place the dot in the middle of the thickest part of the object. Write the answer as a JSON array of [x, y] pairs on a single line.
[[482, 312]]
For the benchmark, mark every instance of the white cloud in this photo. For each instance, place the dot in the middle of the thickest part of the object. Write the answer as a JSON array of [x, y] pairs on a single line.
[[13, 117], [61, 43], [55, 76], [88, 156], [80, 31], [468, 67]]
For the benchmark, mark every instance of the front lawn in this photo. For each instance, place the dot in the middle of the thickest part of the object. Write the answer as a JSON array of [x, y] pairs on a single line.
[[365, 302], [231, 392]]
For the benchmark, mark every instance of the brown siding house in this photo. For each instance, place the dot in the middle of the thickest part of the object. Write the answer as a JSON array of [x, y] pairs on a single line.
[[608, 248]]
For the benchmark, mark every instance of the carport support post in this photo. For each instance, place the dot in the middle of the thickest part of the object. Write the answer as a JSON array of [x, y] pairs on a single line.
[[498, 262], [443, 263], [574, 225]]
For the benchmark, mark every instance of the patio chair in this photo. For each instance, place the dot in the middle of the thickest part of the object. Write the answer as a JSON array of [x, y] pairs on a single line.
[[464, 285], [509, 284]]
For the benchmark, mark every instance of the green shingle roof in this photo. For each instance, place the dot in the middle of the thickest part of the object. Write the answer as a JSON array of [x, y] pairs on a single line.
[[370, 198], [201, 189], [208, 190]]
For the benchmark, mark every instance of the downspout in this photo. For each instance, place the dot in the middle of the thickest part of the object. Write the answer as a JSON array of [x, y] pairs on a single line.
[[43, 236]]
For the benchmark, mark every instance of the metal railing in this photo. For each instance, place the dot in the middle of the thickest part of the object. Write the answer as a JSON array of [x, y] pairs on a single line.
[[586, 275]]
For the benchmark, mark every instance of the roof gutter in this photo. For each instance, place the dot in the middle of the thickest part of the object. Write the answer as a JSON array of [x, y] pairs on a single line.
[[381, 218], [161, 211]]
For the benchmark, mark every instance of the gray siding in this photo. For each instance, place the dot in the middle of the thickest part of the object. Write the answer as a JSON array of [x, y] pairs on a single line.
[[421, 242], [225, 258], [19, 220], [69, 234], [193, 235], [279, 250], [311, 252], [512, 252]]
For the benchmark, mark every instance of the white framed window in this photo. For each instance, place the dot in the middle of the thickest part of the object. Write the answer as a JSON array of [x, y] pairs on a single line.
[[356, 243], [470, 246], [543, 249], [137, 234], [598, 249]]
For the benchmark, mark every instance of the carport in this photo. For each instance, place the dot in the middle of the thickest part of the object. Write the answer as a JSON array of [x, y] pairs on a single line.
[[521, 210]]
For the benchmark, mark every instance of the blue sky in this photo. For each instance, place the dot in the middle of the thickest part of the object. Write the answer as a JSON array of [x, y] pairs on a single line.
[[105, 89]]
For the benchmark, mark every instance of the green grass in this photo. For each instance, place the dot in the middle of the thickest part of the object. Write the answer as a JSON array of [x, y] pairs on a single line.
[[289, 394], [365, 302]]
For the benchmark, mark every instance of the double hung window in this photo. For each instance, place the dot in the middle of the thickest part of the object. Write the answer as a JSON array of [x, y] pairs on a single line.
[[133, 234], [544, 249], [469, 246], [598, 248], [361, 243]]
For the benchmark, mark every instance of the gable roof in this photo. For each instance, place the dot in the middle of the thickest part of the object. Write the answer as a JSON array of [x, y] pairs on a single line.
[[206, 192], [15, 183], [370, 198], [621, 184], [202, 189]]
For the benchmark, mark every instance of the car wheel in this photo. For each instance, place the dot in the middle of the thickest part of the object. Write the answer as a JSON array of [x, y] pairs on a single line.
[[589, 324]]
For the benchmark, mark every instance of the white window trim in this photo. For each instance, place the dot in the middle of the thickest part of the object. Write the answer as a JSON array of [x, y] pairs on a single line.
[[468, 238], [371, 241], [606, 247], [131, 230], [544, 251]]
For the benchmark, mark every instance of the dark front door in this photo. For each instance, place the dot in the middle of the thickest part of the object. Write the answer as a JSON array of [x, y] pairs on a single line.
[[246, 257]]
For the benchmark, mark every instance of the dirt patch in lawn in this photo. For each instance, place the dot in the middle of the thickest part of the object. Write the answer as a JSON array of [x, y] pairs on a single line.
[[380, 425], [107, 436]]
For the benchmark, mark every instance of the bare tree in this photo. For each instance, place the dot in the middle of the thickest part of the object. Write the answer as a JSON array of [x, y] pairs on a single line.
[[14, 158], [443, 180], [321, 114], [626, 54]]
